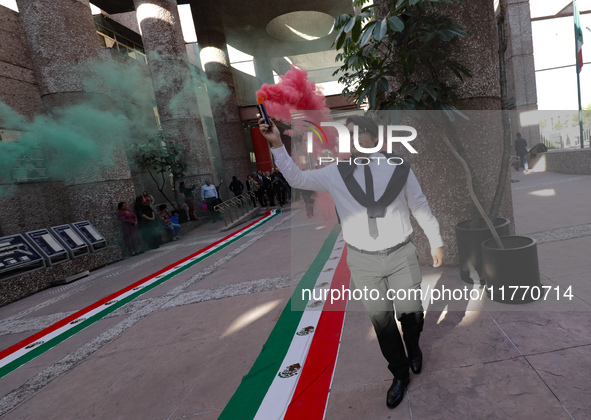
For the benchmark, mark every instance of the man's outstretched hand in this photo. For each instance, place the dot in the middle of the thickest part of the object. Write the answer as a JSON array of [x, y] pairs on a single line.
[[437, 255], [271, 133]]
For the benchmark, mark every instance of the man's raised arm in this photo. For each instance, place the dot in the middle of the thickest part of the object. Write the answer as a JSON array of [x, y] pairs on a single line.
[[317, 180]]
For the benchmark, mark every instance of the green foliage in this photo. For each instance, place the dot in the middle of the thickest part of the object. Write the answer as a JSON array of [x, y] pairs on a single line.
[[561, 125], [586, 115], [160, 155], [396, 62], [586, 112]]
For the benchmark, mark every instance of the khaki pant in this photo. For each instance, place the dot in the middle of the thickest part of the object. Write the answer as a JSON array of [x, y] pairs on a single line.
[[397, 279]]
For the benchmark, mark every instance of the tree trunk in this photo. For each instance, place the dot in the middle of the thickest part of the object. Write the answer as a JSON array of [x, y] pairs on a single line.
[[458, 151], [161, 187]]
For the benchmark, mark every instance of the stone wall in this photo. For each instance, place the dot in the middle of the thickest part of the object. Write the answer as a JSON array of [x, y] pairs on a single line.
[[21, 206], [519, 57], [20, 286], [444, 182], [18, 87], [564, 161], [31, 205]]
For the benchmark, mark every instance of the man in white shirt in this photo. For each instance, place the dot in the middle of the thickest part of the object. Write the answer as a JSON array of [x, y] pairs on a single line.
[[209, 196], [376, 226]]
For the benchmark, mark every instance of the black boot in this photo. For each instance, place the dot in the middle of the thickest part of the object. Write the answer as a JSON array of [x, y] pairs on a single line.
[[396, 392], [412, 325]]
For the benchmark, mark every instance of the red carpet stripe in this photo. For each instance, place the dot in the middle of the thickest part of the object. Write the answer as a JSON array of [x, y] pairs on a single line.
[[311, 394]]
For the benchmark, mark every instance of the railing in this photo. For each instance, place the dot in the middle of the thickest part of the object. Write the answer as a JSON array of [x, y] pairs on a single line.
[[241, 202], [567, 137]]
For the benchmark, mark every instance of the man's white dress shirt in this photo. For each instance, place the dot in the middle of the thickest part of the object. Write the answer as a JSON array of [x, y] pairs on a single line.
[[208, 191], [393, 228]]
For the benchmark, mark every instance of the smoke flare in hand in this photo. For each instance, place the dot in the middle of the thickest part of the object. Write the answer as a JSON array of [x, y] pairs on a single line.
[[294, 92]]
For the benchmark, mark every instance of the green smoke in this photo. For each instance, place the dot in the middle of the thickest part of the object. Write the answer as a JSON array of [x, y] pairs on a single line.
[[75, 139], [129, 84], [85, 139]]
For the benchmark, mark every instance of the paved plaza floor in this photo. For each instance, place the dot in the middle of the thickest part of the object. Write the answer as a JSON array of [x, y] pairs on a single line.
[[181, 349]]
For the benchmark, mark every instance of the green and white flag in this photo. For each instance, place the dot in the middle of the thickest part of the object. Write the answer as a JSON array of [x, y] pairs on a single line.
[[578, 36]]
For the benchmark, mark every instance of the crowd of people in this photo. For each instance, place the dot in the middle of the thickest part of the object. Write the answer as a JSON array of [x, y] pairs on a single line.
[[269, 187], [143, 225]]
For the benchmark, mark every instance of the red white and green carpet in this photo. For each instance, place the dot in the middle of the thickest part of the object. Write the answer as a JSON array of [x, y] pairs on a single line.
[[292, 376]]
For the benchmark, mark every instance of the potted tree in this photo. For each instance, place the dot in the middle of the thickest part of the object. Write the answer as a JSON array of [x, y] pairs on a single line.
[[394, 57]]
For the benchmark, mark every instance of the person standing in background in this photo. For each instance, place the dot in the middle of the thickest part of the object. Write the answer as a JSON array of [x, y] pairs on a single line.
[[217, 188], [209, 195], [251, 186], [149, 198], [188, 193], [258, 187], [129, 225], [280, 186], [147, 222], [268, 188], [236, 186], [521, 150]]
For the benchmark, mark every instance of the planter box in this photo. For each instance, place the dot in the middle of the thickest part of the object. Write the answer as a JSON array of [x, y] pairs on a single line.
[[512, 274], [469, 251]]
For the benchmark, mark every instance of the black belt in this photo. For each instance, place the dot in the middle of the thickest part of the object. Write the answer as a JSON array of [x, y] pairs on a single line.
[[382, 252]]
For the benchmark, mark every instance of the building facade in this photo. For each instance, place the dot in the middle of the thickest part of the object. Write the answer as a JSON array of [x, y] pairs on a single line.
[[78, 90]]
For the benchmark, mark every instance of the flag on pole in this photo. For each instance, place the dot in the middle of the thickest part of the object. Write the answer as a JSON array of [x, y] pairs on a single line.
[[578, 35]]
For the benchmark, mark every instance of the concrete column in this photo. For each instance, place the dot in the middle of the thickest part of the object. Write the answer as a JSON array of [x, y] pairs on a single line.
[[441, 177], [482, 136], [280, 65], [63, 46], [520, 66], [519, 57], [211, 137], [173, 85], [62, 41], [214, 57], [264, 70], [479, 52]]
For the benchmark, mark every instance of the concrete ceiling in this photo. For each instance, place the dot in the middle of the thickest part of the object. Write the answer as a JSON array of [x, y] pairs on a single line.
[[245, 26], [245, 23]]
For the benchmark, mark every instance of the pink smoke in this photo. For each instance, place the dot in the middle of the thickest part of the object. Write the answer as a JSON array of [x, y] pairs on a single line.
[[294, 92]]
